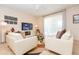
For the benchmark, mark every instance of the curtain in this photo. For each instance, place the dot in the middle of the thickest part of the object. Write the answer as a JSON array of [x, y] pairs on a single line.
[[53, 23]]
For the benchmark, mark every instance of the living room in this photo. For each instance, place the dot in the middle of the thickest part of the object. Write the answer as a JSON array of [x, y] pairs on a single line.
[[38, 17]]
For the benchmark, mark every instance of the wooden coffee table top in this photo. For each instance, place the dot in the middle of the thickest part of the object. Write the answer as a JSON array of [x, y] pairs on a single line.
[[37, 50]]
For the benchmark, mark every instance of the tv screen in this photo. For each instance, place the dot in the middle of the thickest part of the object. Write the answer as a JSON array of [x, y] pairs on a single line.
[[27, 26]]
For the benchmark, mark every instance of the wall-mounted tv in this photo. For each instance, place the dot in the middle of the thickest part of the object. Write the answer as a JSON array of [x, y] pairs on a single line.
[[27, 26]]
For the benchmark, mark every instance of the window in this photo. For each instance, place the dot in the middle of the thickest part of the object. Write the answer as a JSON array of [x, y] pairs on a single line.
[[53, 23]]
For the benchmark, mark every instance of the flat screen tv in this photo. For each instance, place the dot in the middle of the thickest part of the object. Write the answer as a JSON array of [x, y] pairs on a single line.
[[27, 26]]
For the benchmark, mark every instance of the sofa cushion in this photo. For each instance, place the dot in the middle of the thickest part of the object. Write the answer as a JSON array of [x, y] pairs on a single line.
[[17, 36]]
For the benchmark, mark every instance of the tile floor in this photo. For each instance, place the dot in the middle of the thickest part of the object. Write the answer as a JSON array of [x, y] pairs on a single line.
[[4, 50], [76, 47]]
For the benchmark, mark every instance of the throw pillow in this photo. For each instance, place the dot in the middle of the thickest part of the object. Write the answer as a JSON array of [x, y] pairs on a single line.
[[60, 33]]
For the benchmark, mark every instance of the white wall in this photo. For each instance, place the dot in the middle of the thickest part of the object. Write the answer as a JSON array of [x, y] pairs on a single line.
[[69, 17], [74, 28], [40, 23], [22, 17]]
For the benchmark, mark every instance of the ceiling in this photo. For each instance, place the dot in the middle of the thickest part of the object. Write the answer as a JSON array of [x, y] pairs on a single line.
[[37, 9]]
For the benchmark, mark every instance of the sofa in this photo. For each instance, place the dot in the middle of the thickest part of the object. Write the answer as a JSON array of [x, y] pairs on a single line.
[[20, 45], [63, 46]]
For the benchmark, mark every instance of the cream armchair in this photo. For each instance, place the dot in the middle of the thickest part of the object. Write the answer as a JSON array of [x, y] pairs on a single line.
[[19, 45], [63, 46]]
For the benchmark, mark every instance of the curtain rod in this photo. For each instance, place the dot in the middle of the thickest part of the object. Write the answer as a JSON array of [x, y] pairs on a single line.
[[55, 12]]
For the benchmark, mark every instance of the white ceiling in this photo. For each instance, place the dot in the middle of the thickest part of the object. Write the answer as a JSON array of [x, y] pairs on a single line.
[[37, 9]]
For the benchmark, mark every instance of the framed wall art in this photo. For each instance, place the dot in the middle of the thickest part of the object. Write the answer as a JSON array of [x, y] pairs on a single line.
[[10, 19], [76, 19]]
